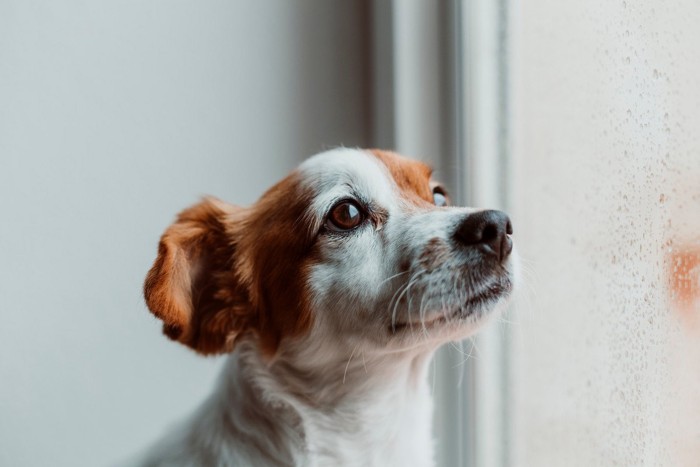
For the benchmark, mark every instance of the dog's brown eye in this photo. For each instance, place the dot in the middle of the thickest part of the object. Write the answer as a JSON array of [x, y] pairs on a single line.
[[345, 216], [439, 197]]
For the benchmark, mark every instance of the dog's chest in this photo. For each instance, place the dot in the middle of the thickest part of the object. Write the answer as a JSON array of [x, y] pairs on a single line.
[[393, 431]]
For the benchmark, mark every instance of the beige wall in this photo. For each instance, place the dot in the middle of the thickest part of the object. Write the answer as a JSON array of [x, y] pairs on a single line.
[[607, 188]]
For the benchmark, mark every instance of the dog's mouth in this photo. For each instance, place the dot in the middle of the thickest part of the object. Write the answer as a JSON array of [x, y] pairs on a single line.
[[491, 292], [419, 325], [474, 303]]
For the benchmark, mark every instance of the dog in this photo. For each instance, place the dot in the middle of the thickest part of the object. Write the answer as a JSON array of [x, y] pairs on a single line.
[[330, 296]]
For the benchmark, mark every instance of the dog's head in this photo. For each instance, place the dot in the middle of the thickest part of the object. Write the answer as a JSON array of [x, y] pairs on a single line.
[[354, 246]]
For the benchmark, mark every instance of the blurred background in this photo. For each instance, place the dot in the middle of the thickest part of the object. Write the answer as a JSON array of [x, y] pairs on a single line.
[[579, 118]]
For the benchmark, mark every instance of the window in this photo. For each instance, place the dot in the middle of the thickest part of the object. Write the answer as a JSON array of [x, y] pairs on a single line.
[[580, 119], [606, 197]]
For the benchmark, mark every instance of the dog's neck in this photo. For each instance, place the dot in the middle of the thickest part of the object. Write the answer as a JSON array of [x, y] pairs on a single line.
[[349, 410]]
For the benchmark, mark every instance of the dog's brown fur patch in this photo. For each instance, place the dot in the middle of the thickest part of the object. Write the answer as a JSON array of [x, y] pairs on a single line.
[[412, 177], [223, 270]]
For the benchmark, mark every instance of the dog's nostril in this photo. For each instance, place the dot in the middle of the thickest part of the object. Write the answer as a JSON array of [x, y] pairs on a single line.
[[490, 233], [489, 229]]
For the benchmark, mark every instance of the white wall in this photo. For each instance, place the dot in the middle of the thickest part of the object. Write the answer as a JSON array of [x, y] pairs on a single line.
[[114, 115]]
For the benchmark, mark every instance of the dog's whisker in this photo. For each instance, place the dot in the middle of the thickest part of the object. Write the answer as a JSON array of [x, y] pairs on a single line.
[[469, 355], [507, 321], [474, 348], [391, 301], [348, 364], [422, 310], [395, 301], [393, 277], [462, 366], [459, 349], [412, 281], [404, 286], [409, 304]]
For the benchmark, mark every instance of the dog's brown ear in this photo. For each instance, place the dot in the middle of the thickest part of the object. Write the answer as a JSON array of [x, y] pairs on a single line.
[[193, 286]]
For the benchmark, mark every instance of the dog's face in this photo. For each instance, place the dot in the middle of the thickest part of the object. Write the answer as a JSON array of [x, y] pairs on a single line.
[[354, 246]]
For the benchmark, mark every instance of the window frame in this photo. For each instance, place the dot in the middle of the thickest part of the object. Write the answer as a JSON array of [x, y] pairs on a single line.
[[449, 60]]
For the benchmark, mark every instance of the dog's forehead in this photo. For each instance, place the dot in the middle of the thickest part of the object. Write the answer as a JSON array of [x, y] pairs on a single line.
[[381, 176], [411, 177]]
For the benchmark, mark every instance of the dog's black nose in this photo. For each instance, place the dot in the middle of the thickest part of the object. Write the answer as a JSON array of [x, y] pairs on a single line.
[[488, 228]]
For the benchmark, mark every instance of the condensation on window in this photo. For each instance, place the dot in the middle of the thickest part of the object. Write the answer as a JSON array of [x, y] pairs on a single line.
[[606, 208]]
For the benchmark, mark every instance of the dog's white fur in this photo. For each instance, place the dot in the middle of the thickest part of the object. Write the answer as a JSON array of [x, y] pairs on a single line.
[[353, 390]]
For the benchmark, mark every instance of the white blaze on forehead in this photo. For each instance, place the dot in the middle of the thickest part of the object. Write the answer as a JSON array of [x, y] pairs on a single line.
[[340, 173], [360, 263]]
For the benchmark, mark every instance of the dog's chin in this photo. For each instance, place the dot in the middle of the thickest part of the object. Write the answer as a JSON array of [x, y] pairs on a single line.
[[457, 319]]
